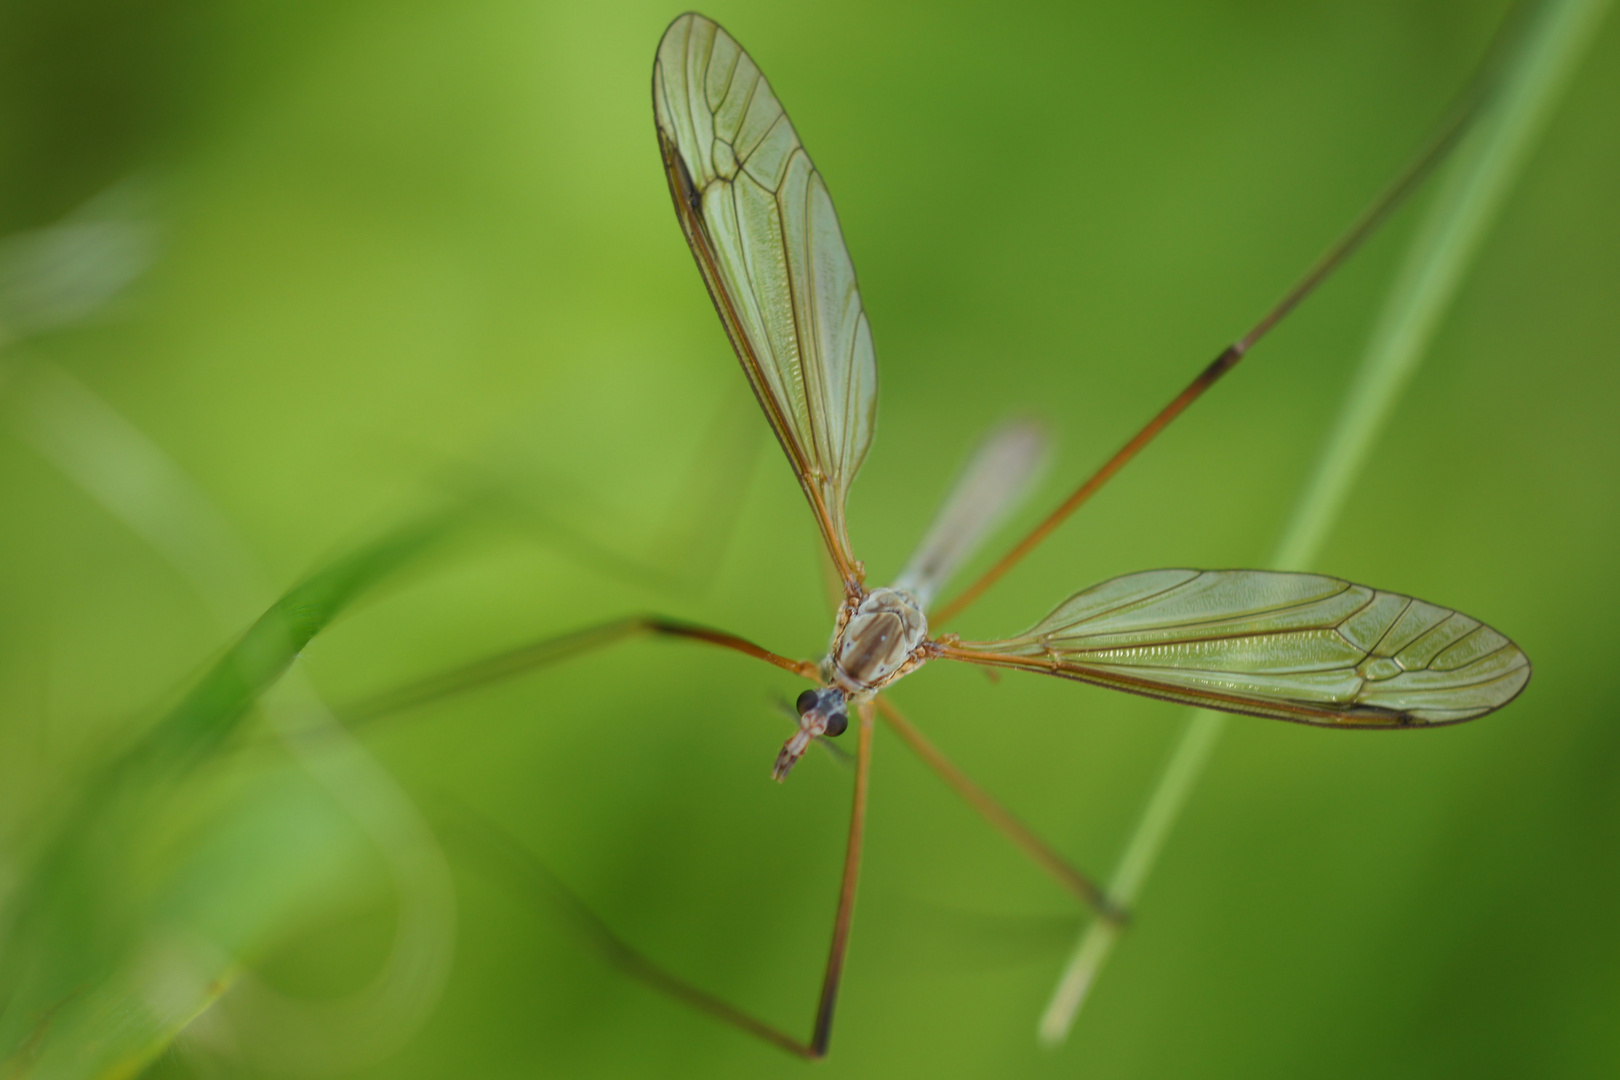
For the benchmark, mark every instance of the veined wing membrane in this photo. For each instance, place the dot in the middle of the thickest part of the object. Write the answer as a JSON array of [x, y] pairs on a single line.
[[766, 238], [997, 476], [1300, 647]]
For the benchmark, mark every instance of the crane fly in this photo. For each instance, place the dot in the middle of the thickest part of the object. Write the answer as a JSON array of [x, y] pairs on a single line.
[[1300, 647]]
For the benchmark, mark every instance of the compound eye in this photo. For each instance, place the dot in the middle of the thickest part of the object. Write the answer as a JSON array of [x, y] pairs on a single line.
[[806, 701], [837, 724]]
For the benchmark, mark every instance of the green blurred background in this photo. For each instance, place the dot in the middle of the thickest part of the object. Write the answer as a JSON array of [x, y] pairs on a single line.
[[318, 267]]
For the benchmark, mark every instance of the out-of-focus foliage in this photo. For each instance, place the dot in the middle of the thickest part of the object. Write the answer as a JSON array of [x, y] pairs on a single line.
[[275, 278]]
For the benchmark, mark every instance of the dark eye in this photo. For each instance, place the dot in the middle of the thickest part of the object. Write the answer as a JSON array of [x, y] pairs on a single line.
[[806, 701], [836, 724]]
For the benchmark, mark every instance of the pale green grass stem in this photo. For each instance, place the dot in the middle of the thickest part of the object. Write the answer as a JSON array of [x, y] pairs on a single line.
[[1474, 188]]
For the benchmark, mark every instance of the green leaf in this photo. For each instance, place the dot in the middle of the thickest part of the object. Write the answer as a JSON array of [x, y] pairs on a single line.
[[112, 944]]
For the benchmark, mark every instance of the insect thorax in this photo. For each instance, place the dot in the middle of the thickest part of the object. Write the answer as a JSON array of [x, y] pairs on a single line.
[[876, 642]]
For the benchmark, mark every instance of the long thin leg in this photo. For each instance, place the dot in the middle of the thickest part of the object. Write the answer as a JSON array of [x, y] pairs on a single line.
[[1431, 154], [1059, 868], [518, 864], [552, 650], [846, 892], [508, 857]]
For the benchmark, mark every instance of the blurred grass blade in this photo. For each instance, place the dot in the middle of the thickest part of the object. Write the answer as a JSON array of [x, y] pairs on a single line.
[[680, 550], [137, 483], [210, 712], [133, 480], [90, 984], [1476, 184], [69, 271]]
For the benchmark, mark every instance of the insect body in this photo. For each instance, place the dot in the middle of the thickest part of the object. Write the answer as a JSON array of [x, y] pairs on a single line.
[[1299, 647], [1306, 648], [764, 233], [877, 640]]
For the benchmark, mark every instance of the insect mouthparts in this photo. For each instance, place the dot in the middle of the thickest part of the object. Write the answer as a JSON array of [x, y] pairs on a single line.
[[822, 712]]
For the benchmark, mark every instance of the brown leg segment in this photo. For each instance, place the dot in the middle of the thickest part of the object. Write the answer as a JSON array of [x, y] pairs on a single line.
[[1428, 158], [521, 867], [846, 892], [532, 880], [1059, 868], [506, 855], [552, 650]]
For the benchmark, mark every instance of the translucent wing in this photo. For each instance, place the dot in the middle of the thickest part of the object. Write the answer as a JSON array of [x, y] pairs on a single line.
[[1299, 647], [996, 478], [762, 228]]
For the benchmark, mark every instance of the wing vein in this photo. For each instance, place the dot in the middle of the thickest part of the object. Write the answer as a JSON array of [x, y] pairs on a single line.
[[784, 289], [1278, 657]]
